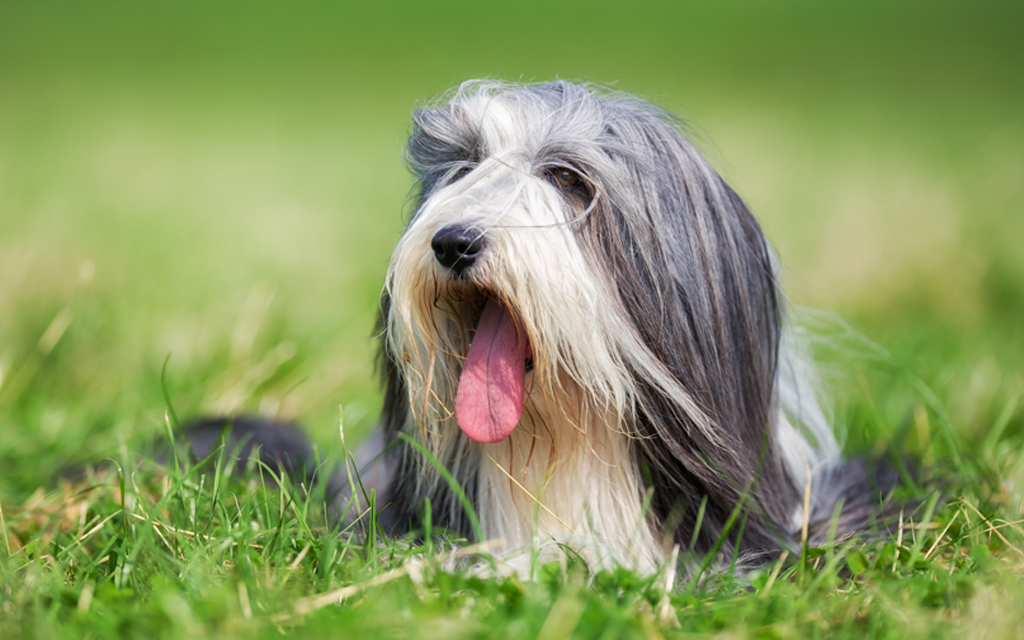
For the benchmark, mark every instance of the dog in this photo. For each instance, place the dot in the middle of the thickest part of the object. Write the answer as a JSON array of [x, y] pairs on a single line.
[[584, 346]]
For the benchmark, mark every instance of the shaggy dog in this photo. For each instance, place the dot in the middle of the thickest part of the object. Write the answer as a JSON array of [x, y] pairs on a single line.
[[584, 347]]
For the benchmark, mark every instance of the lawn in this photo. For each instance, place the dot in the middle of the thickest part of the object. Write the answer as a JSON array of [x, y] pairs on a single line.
[[197, 205]]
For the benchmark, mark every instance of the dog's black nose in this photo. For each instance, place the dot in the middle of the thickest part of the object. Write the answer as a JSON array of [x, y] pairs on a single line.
[[457, 247]]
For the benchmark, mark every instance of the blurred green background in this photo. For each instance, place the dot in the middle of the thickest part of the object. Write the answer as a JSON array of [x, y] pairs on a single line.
[[221, 184]]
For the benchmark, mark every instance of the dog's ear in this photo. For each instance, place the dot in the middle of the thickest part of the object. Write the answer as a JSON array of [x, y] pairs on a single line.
[[690, 269]]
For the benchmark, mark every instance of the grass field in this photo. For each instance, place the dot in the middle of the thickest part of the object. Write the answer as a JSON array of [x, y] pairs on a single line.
[[218, 187]]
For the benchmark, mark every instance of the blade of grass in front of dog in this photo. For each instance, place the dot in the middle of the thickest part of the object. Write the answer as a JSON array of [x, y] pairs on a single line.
[[428, 526], [713, 552], [121, 564], [167, 396], [371, 535], [355, 485], [171, 422], [218, 469], [921, 528], [121, 486], [739, 540], [830, 545], [698, 523], [172, 443], [453, 484]]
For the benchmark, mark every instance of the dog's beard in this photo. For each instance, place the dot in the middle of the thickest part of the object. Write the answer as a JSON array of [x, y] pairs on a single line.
[[561, 472]]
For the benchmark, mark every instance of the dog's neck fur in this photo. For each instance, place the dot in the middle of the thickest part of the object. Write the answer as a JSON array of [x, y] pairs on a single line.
[[564, 479]]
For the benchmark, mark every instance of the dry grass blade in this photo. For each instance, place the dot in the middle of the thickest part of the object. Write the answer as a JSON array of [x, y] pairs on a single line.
[[308, 605], [805, 526], [935, 546], [994, 529], [775, 571]]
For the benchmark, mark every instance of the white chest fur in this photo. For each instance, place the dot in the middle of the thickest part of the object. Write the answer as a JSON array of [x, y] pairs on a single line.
[[561, 480]]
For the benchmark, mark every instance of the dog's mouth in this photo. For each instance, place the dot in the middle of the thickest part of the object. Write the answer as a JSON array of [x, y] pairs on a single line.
[[492, 386]]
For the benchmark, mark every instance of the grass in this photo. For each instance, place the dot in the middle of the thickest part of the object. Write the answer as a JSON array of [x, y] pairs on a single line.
[[146, 550], [222, 184]]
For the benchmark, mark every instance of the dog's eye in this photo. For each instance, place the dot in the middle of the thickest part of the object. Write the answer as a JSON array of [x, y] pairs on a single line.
[[570, 183], [564, 178], [459, 174]]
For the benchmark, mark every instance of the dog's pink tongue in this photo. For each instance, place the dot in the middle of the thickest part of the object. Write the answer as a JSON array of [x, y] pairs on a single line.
[[489, 401]]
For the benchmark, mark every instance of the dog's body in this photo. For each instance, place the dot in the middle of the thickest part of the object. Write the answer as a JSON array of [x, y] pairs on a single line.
[[582, 337], [582, 325]]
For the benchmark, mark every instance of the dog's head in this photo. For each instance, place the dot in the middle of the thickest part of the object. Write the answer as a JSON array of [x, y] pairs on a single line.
[[569, 242]]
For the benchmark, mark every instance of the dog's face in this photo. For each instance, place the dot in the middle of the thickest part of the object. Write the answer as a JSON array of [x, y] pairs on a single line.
[[573, 247], [491, 287]]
